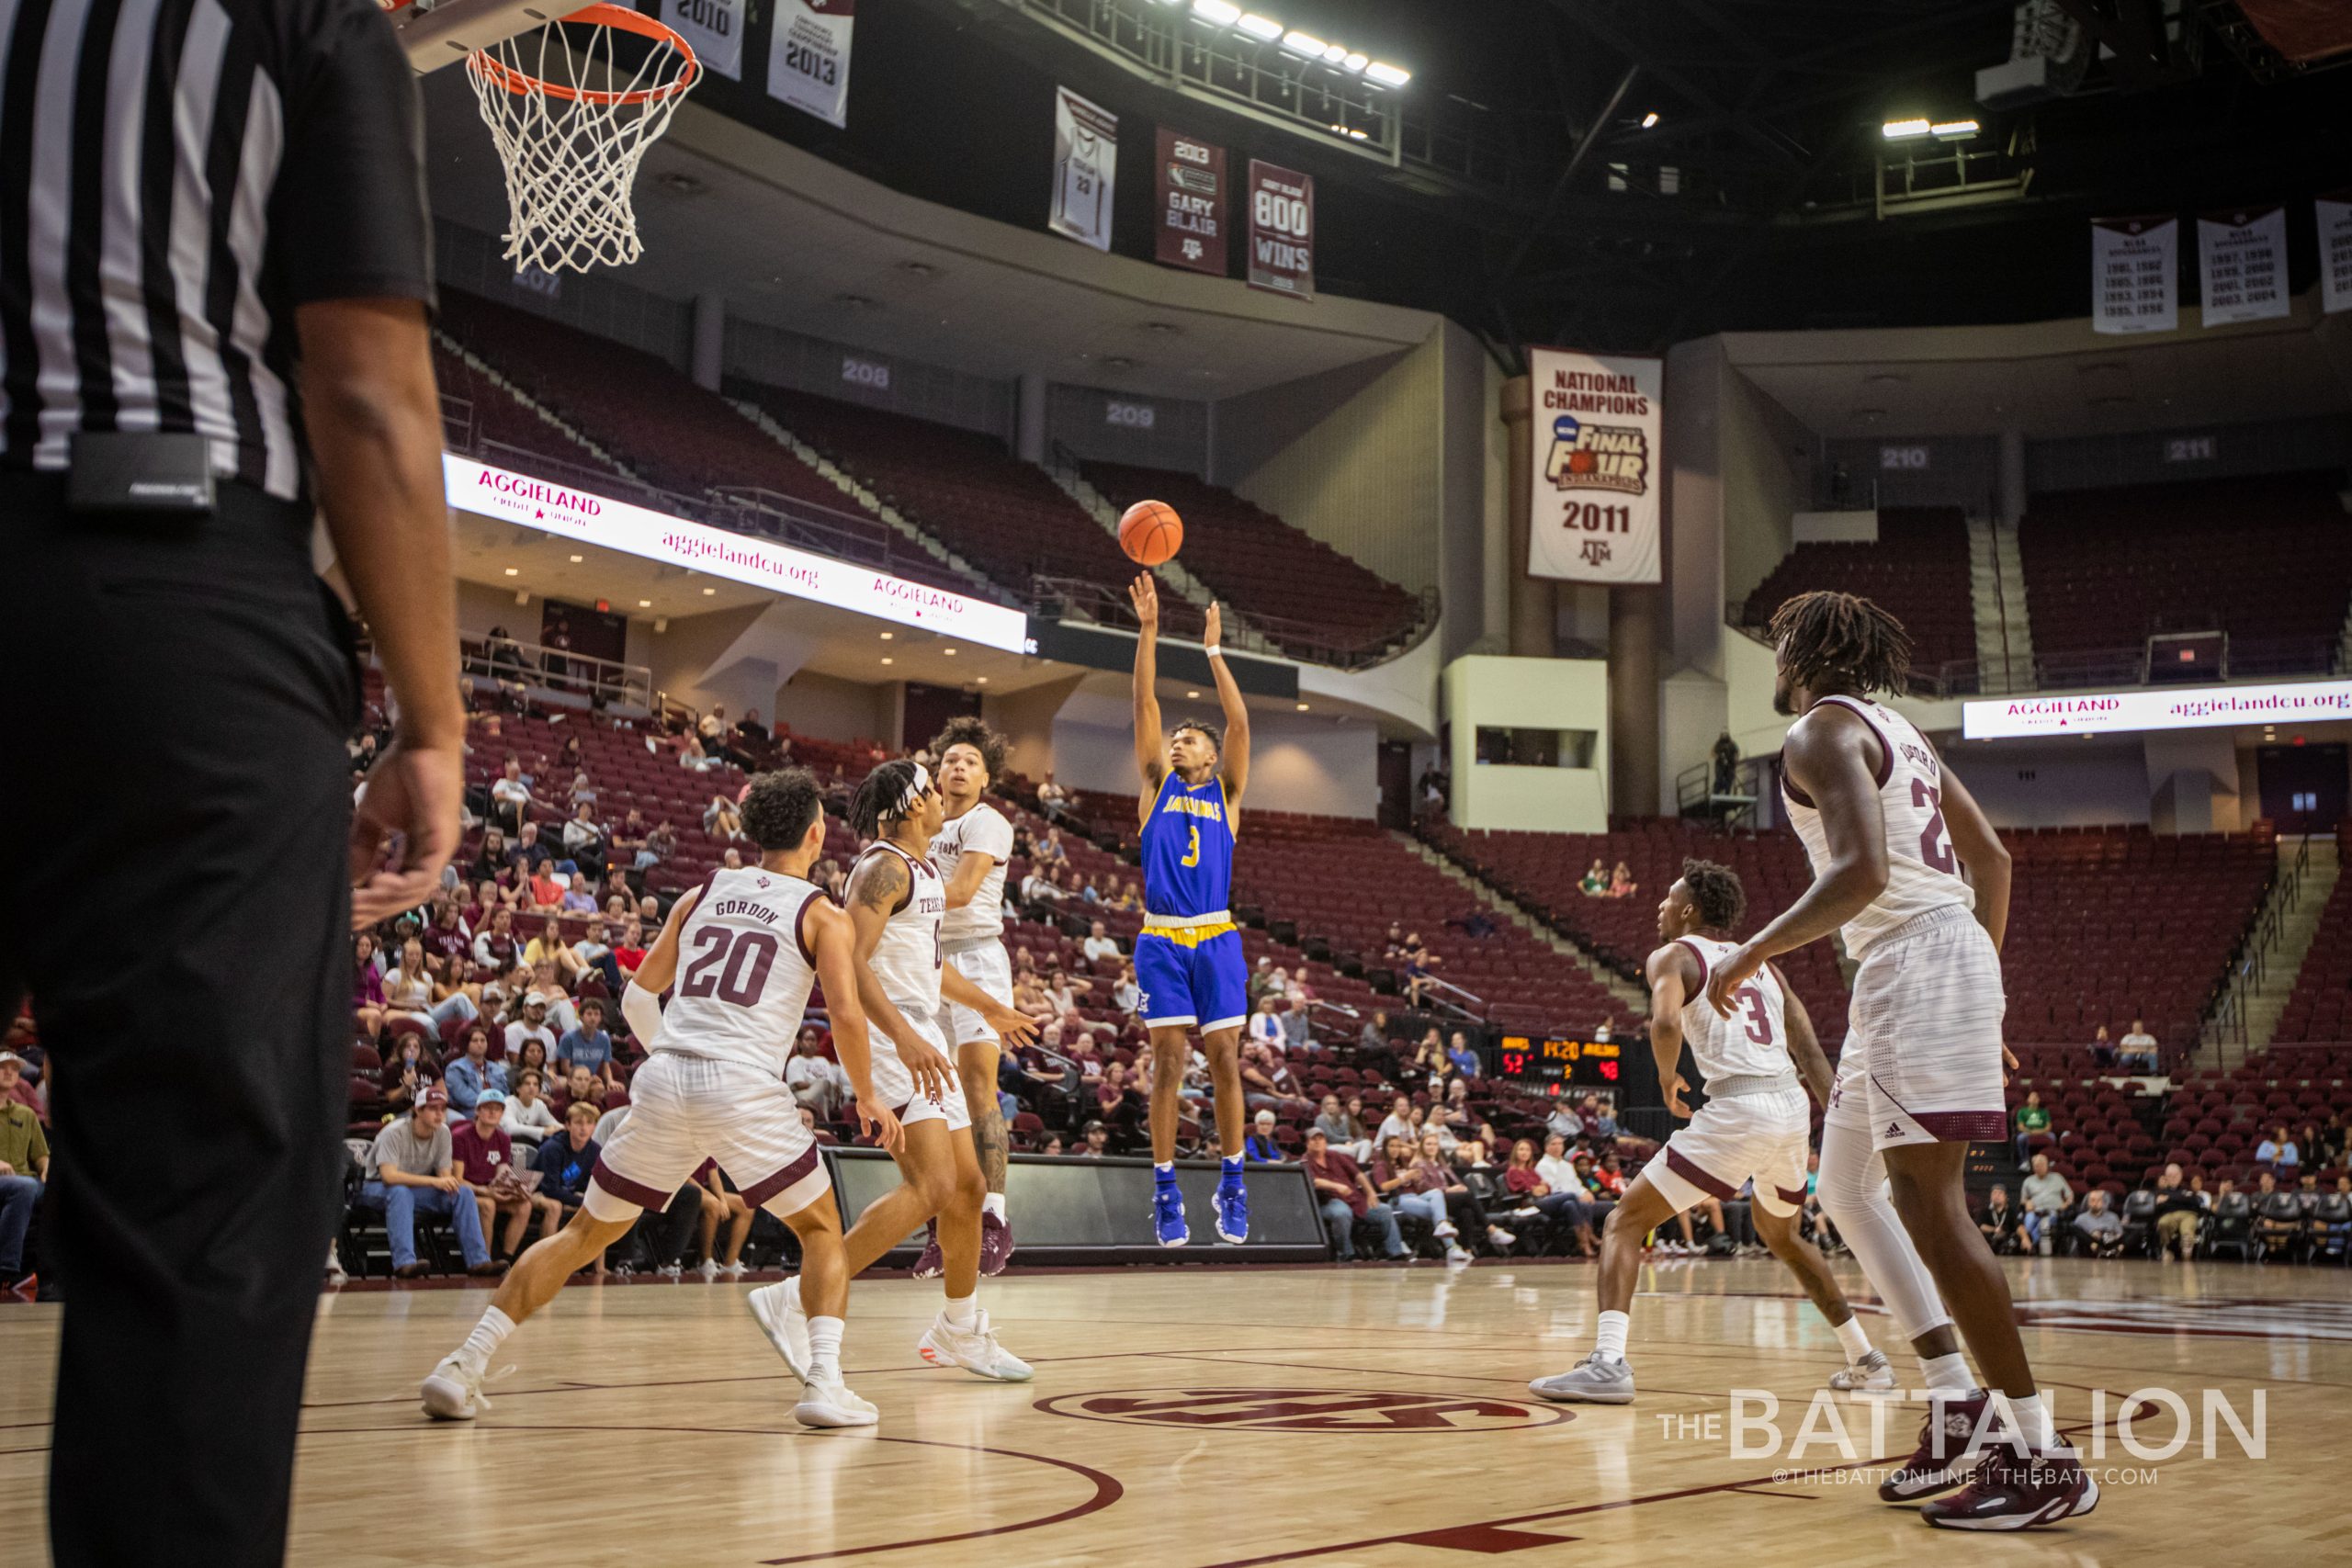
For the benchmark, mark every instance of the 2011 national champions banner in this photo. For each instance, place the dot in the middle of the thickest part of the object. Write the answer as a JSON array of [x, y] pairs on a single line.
[[809, 57], [1595, 423]]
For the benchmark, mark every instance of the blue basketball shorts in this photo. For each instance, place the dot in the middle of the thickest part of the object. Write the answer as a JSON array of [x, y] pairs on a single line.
[[1196, 977]]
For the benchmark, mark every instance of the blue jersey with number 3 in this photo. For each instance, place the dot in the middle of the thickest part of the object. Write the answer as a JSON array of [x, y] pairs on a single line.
[[1188, 850]]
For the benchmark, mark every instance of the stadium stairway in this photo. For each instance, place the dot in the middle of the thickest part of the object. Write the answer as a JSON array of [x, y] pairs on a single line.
[[1631, 998], [1095, 504], [2299, 902], [1996, 584]]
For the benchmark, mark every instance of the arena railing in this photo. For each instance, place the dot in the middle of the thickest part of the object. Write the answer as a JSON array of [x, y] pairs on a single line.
[[555, 675]]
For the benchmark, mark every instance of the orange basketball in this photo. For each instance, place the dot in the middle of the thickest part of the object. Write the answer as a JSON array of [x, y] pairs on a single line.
[[1150, 533]]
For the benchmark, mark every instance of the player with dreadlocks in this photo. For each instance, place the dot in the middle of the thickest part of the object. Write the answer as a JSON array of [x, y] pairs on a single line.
[[1902, 860], [895, 899], [1756, 1068]]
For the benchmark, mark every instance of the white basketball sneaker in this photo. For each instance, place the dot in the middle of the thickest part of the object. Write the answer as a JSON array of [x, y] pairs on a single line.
[[829, 1403], [976, 1350], [777, 1310], [453, 1390], [1872, 1374]]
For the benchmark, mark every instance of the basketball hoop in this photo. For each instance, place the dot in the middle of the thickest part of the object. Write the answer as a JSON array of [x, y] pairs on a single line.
[[572, 126]]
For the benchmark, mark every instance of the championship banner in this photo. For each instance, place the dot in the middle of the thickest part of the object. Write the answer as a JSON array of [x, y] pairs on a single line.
[[2135, 275], [2335, 212], [1190, 199], [1282, 231], [1086, 169], [809, 57], [715, 31], [2242, 265], [1596, 421]]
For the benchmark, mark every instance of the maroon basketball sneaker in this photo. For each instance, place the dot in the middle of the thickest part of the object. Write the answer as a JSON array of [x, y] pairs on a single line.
[[931, 1265], [1943, 1459], [995, 1243], [2007, 1493]]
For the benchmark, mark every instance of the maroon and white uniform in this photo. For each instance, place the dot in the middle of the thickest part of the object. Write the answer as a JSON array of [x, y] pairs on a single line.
[[1923, 1043], [907, 962], [713, 1086], [1757, 1121], [972, 938]]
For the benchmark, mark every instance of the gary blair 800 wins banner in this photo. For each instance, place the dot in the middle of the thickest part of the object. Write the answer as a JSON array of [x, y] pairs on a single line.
[[1595, 423]]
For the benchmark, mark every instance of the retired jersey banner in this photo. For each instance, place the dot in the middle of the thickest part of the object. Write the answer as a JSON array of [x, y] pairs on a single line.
[[1189, 200], [2242, 265], [2335, 211], [809, 57], [1086, 169], [714, 29], [1596, 419], [2135, 275], [1282, 231]]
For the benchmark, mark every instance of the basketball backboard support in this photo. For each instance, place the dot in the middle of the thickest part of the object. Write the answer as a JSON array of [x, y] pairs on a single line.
[[437, 33]]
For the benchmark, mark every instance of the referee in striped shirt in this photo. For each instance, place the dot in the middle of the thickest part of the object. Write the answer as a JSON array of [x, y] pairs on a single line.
[[214, 285]]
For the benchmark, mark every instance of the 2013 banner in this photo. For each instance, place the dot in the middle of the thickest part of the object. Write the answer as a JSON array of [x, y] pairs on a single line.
[[1282, 231], [1595, 473], [1189, 200], [809, 57], [1086, 169]]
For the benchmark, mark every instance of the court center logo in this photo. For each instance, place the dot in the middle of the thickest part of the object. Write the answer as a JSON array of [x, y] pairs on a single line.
[[1322, 1411], [1598, 457]]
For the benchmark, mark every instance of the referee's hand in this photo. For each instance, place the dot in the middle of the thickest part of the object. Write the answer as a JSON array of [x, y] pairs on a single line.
[[414, 792]]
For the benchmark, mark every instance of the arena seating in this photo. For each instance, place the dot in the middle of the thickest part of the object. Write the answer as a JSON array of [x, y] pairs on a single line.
[[1917, 570], [1257, 562], [2320, 1008], [2214, 1119], [2267, 559], [482, 418]]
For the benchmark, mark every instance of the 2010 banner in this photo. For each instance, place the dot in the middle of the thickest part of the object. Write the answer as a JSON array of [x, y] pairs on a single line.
[[1282, 231], [1189, 200], [809, 57], [714, 29], [1595, 474], [1086, 169]]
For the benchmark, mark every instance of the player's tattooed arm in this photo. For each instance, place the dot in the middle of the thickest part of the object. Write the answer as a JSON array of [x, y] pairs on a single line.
[[876, 889], [878, 883]]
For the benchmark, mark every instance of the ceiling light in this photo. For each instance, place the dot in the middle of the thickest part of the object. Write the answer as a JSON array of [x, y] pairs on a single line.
[[1387, 75], [887, 635], [1259, 26], [1899, 130], [514, 571], [1306, 44], [1302, 707], [1195, 696], [1953, 129], [887, 660], [1336, 54], [948, 651], [1355, 61], [577, 559], [709, 592], [645, 603], [1649, 119], [981, 681], [1216, 13]]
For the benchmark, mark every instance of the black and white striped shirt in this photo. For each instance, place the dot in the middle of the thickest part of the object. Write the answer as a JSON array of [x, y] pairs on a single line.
[[176, 177]]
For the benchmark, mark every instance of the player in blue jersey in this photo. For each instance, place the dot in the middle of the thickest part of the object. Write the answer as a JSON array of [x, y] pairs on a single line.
[[1188, 956]]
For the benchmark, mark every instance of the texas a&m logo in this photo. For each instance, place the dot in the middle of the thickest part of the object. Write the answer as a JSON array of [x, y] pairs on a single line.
[[1598, 457], [1318, 1410]]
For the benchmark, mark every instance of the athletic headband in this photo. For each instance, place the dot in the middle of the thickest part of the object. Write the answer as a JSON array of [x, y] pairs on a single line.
[[915, 791]]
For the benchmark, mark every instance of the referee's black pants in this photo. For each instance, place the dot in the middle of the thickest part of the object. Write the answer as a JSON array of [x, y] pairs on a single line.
[[174, 811]]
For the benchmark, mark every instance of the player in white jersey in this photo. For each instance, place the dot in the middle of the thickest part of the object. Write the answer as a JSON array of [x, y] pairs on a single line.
[[1757, 1066], [1906, 863], [971, 850], [897, 898], [744, 950]]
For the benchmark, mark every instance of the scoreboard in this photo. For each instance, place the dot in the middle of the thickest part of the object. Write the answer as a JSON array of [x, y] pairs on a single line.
[[1555, 1067]]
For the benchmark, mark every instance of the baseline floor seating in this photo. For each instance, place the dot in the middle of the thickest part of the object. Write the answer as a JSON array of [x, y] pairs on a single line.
[[1917, 570]]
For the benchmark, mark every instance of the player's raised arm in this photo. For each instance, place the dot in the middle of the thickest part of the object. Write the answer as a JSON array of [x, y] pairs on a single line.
[[1235, 755], [1980, 850], [1150, 746], [1804, 1045], [833, 940], [1830, 754], [972, 869], [1671, 973], [878, 889], [640, 998]]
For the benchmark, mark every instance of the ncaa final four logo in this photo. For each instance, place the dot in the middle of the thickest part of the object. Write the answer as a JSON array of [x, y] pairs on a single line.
[[1598, 457]]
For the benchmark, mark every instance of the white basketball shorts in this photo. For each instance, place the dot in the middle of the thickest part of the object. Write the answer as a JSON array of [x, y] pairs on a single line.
[[894, 1085], [989, 966], [1731, 1140], [1922, 1062], [685, 1110]]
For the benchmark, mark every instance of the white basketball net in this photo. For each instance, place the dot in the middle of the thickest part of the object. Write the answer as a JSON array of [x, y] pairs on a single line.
[[571, 125]]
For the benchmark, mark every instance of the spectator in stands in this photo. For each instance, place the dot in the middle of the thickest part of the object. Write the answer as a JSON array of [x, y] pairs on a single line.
[[692, 758], [549, 947], [510, 798], [1098, 1142], [2000, 1223], [545, 892], [413, 1173], [1398, 1122], [411, 991], [1460, 1058], [594, 952], [24, 1170], [582, 1087], [2326, 1148], [1620, 882], [2102, 1048], [661, 844], [1261, 1145], [529, 1120], [581, 790], [1428, 1060], [720, 819], [1053, 800], [1527, 1187], [585, 1045], [2044, 1196], [1600, 1121], [367, 986], [1038, 892], [1054, 1147], [1264, 1028], [1126, 995], [2178, 1210], [1595, 881], [630, 952], [2139, 1049], [1099, 947], [2100, 1228], [1564, 1122], [1437, 1173], [1398, 1177], [1050, 850], [1346, 1196], [1297, 1033], [583, 836], [1726, 760], [1455, 1109], [531, 1023], [2028, 1120], [722, 1204], [1267, 1082], [2279, 1152], [2273, 1228], [472, 1074], [1607, 1032], [1029, 996], [564, 1164], [1131, 896], [1114, 1104], [579, 895], [1345, 1128], [816, 1079], [483, 1154], [524, 851]]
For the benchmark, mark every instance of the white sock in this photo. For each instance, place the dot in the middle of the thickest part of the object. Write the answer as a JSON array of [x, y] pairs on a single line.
[[824, 1350], [1947, 1374], [1611, 1339], [2033, 1422], [994, 1204], [963, 1313], [493, 1328], [1857, 1341]]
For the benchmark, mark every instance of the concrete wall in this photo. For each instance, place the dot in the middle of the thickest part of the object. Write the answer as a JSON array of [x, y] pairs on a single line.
[[1765, 470], [1026, 718], [832, 709], [2095, 784], [1532, 694]]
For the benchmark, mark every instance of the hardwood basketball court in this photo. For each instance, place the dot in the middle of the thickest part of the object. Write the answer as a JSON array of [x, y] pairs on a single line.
[[1183, 1418]]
